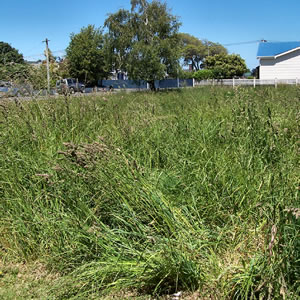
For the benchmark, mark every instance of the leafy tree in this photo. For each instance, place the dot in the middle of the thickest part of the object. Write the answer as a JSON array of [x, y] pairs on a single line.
[[226, 66], [14, 72], [118, 40], [85, 55], [140, 4], [144, 42], [194, 51], [12, 64], [212, 48], [8, 54]]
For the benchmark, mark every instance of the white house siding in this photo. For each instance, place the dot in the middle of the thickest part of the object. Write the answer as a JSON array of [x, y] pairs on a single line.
[[284, 67]]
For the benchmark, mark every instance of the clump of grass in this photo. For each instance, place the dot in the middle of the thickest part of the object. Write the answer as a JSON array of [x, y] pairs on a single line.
[[193, 190]]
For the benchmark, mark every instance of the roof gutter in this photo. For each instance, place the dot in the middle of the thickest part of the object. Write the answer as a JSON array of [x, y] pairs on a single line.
[[266, 57]]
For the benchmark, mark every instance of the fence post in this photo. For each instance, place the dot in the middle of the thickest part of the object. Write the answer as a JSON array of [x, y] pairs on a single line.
[[254, 82], [178, 85], [193, 82], [233, 82], [275, 83], [213, 82]]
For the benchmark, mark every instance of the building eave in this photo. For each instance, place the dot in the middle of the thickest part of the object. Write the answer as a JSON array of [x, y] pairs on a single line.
[[287, 52]]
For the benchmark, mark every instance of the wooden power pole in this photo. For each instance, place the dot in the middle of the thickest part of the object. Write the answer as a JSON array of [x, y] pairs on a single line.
[[48, 72]]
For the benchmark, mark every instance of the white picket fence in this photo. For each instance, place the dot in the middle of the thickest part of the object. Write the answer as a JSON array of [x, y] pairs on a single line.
[[247, 82]]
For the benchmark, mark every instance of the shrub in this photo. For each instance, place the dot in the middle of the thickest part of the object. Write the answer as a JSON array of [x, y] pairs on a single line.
[[203, 74]]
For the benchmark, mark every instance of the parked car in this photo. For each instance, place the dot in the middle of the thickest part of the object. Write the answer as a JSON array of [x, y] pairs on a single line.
[[4, 84], [69, 85], [8, 90]]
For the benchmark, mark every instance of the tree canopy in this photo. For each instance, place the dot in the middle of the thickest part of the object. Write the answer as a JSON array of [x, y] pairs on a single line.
[[118, 40], [85, 55], [144, 41], [226, 65], [12, 64], [8, 54], [195, 51]]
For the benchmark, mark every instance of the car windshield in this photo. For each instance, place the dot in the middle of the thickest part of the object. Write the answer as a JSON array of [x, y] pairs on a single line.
[[71, 81]]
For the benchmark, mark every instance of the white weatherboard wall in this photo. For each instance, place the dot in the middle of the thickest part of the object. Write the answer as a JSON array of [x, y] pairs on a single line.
[[286, 66]]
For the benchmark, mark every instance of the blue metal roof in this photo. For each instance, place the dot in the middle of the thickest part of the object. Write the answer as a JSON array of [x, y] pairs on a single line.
[[273, 49]]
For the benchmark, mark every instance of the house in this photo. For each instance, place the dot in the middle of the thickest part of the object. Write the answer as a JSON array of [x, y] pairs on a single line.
[[279, 60]]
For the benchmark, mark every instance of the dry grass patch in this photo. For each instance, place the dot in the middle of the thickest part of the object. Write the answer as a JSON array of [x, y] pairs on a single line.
[[25, 281]]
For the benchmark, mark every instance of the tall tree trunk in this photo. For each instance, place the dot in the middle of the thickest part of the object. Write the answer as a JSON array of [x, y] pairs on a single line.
[[193, 65]]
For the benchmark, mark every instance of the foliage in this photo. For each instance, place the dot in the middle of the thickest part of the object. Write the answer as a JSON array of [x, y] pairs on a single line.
[[255, 72], [194, 51], [118, 40], [204, 74], [13, 68], [185, 74], [12, 64], [63, 68], [194, 191], [226, 66], [144, 42], [8, 54], [14, 72], [197, 75], [85, 55], [38, 75]]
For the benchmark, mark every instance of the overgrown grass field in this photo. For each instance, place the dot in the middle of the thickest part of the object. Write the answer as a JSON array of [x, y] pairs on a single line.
[[146, 194]]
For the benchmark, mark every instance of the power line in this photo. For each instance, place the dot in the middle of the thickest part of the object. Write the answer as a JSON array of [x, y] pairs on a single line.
[[244, 43], [253, 42], [63, 51]]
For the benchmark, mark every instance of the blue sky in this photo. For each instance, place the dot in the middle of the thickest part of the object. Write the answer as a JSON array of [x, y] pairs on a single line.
[[26, 23]]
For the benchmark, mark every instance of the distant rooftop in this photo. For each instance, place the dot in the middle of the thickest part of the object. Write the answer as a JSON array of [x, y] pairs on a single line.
[[36, 62], [275, 48]]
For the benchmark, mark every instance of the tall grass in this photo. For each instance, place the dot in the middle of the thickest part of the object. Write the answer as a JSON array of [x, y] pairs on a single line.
[[193, 190]]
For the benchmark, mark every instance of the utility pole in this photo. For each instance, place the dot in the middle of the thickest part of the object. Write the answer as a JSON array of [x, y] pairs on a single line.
[[207, 43], [48, 72]]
